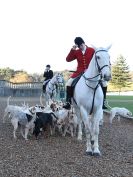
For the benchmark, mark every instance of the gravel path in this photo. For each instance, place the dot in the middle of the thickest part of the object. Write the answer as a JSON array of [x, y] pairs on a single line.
[[58, 156]]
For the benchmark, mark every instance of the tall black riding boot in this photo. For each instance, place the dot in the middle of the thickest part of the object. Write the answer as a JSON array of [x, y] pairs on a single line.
[[69, 91], [44, 88], [104, 94]]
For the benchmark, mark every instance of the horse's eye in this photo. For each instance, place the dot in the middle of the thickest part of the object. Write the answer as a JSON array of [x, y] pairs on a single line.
[[97, 57]]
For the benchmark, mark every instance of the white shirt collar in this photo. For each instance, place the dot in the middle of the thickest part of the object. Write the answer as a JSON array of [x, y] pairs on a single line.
[[83, 51]]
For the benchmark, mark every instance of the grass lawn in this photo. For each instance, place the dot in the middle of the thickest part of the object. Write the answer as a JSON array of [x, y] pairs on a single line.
[[121, 101]]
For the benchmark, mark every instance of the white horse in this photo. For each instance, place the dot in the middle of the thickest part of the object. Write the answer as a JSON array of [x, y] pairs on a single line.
[[88, 98], [51, 87]]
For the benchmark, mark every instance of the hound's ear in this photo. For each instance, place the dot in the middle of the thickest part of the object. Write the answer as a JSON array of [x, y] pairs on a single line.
[[107, 48]]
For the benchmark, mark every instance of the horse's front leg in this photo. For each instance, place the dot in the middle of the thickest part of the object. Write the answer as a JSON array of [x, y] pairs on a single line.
[[48, 99], [79, 123], [86, 121], [54, 97], [95, 132]]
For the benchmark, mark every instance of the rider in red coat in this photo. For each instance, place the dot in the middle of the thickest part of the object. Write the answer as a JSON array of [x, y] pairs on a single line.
[[83, 54]]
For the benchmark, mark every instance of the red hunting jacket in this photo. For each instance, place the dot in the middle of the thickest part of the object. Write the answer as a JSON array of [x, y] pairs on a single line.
[[83, 60]]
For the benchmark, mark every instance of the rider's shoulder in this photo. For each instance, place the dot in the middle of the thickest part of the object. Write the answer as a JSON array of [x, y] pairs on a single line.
[[90, 50]]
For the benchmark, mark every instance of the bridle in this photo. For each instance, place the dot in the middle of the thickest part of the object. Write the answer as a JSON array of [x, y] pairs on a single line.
[[100, 69], [58, 79], [92, 79]]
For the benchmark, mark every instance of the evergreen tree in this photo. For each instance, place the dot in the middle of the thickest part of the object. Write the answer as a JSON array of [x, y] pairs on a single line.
[[120, 74]]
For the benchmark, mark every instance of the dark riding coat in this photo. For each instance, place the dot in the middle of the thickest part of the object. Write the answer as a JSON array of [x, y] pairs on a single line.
[[48, 75], [83, 60]]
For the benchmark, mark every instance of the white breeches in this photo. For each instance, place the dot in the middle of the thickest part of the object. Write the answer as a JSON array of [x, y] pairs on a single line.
[[69, 82]]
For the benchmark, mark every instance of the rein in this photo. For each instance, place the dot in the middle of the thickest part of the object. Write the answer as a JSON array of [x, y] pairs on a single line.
[[91, 79]]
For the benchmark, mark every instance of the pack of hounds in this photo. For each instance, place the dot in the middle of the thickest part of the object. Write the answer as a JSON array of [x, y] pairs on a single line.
[[38, 119]]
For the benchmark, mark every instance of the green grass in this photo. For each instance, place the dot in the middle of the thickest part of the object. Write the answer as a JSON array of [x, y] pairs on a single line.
[[120, 97], [121, 101]]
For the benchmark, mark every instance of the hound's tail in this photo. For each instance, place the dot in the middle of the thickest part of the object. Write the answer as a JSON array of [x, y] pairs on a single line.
[[8, 99], [6, 112]]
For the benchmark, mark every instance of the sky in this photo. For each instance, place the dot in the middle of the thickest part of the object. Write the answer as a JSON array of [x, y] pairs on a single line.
[[34, 33]]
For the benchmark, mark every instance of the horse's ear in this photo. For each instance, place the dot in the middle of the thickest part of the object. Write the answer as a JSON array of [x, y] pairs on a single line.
[[107, 48]]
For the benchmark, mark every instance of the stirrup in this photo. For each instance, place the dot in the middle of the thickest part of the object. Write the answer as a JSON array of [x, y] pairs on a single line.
[[67, 106]]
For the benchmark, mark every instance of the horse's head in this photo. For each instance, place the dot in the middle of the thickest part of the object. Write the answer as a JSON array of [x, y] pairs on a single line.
[[59, 78], [103, 62]]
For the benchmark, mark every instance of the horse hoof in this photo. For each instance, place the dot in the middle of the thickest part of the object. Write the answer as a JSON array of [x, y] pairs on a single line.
[[89, 153], [96, 154]]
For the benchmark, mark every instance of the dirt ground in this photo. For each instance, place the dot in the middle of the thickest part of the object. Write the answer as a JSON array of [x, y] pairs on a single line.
[[58, 156]]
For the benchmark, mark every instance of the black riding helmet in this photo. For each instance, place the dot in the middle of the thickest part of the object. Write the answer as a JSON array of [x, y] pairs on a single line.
[[48, 66], [78, 41]]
